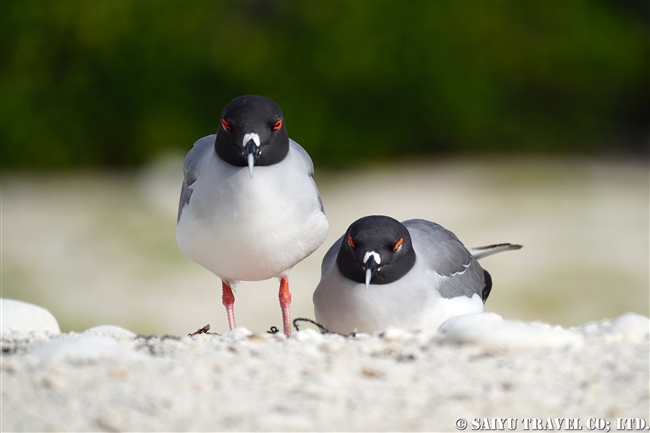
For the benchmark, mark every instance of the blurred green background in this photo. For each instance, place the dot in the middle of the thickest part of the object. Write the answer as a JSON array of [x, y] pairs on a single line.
[[88, 84], [522, 122]]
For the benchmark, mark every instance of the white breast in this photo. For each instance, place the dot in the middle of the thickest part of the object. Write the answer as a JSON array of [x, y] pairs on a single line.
[[251, 229]]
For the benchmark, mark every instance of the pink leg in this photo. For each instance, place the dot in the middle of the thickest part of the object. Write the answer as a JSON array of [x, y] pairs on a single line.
[[228, 300], [285, 301]]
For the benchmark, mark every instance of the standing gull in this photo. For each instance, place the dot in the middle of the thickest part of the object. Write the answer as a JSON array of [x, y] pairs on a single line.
[[249, 208], [416, 274]]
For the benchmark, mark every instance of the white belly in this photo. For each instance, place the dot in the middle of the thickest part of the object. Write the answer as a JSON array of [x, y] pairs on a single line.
[[251, 229]]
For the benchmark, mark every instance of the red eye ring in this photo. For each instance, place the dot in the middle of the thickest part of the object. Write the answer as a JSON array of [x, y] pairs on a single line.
[[226, 125], [350, 241], [398, 244], [277, 125]]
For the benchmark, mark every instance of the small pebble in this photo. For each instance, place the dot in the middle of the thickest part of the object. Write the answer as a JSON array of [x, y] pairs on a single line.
[[111, 331], [489, 330], [82, 348], [396, 335], [630, 327], [238, 333], [307, 335], [18, 316]]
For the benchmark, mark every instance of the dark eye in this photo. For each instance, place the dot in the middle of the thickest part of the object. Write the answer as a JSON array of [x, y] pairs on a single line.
[[398, 244], [226, 125], [350, 241], [277, 125]]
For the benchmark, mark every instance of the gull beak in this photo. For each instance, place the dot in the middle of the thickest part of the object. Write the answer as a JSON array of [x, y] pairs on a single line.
[[252, 151], [371, 267]]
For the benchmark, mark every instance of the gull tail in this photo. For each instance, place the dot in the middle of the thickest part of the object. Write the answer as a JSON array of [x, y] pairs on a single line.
[[480, 252]]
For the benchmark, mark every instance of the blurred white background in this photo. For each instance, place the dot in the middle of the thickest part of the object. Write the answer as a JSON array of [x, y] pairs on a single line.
[[100, 248]]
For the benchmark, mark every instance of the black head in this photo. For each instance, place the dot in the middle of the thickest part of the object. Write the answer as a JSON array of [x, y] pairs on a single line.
[[252, 132], [376, 250]]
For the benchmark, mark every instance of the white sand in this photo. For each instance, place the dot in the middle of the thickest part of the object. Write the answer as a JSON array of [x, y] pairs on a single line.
[[477, 367]]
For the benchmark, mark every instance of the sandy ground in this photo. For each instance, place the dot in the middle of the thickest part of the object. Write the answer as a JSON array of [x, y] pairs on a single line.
[[100, 248], [477, 369]]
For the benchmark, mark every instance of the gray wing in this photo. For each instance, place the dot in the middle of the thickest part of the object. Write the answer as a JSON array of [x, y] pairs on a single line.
[[308, 165], [330, 257], [444, 254], [304, 157], [191, 167]]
